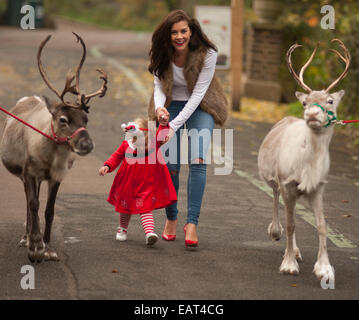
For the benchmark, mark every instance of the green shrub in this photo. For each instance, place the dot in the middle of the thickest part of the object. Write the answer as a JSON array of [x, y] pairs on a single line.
[[301, 20], [295, 109]]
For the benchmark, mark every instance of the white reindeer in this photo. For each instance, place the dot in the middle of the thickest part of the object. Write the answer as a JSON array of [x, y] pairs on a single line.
[[294, 160]]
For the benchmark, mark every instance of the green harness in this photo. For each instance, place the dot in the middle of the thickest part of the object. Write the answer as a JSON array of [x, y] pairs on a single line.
[[330, 115]]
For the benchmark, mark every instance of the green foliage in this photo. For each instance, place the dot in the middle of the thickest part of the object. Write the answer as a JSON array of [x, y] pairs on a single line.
[[123, 14], [301, 21], [295, 109], [140, 15], [3, 6]]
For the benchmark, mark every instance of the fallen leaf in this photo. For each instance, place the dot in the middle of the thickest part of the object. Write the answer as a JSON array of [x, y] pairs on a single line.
[[293, 285], [345, 201], [347, 215], [115, 271]]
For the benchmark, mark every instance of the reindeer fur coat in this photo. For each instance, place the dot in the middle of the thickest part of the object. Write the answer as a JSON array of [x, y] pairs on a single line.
[[214, 102]]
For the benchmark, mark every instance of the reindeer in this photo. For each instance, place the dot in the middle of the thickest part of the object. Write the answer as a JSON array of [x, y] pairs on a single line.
[[34, 158], [294, 160]]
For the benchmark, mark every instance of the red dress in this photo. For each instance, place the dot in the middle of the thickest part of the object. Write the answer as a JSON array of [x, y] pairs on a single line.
[[143, 182]]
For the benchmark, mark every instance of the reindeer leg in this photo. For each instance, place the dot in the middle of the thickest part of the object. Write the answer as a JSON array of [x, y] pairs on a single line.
[[53, 188], [36, 247], [275, 229], [289, 263], [298, 255], [322, 267], [24, 240]]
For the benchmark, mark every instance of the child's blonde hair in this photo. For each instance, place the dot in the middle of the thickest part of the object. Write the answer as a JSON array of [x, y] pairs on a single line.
[[143, 123]]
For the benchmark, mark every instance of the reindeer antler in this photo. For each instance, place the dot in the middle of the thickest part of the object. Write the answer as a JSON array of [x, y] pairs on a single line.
[[346, 58], [78, 70], [42, 71], [82, 99], [101, 92], [299, 78], [68, 85]]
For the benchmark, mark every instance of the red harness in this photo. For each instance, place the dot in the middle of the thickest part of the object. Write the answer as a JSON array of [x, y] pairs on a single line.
[[54, 137], [63, 140]]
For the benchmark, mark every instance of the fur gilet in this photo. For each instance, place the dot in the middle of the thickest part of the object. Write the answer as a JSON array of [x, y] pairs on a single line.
[[214, 102]]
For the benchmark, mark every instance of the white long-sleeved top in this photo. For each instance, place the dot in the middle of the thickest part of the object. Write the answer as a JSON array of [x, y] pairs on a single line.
[[180, 91]]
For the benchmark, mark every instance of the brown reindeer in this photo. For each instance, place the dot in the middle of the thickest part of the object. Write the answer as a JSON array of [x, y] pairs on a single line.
[[34, 158]]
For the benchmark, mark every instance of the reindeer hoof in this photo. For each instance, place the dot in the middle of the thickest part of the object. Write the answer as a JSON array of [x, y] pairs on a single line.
[[298, 255], [275, 231], [35, 257], [325, 271], [36, 249], [289, 265], [50, 255], [24, 242]]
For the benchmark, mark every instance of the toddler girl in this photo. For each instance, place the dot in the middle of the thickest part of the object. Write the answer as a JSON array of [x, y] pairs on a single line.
[[142, 183]]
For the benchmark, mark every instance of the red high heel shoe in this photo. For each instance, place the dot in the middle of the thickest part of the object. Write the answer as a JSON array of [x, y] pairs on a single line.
[[189, 243], [168, 237]]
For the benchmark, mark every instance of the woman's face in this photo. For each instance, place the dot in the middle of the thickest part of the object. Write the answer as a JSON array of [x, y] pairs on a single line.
[[180, 35]]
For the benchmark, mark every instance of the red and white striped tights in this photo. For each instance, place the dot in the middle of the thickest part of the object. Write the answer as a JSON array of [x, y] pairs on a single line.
[[147, 221]]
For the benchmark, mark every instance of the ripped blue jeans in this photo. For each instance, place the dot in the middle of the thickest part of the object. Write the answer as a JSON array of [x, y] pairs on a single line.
[[200, 128]]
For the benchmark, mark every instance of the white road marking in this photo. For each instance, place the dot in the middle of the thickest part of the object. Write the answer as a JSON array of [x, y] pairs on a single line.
[[128, 72]]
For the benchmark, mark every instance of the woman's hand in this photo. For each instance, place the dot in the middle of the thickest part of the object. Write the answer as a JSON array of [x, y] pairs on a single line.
[[103, 170], [162, 116]]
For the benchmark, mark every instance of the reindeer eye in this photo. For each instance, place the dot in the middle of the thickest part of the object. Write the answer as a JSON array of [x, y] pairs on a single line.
[[304, 103], [63, 120], [330, 101]]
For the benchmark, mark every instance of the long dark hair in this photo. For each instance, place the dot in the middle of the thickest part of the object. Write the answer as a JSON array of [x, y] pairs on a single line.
[[162, 51]]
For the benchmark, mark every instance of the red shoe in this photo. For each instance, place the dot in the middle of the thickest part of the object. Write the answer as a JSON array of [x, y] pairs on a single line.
[[189, 243], [168, 237]]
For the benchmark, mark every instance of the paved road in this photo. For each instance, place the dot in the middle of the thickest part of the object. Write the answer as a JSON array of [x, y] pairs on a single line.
[[236, 259]]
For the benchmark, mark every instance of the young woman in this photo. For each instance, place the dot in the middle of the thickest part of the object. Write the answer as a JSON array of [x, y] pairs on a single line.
[[186, 93]]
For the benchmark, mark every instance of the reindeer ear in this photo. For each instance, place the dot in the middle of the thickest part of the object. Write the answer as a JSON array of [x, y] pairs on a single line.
[[51, 106], [338, 95], [301, 96]]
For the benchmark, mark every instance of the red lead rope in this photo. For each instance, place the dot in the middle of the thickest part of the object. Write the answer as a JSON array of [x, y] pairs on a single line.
[[349, 121], [55, 138], [344, 122]]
